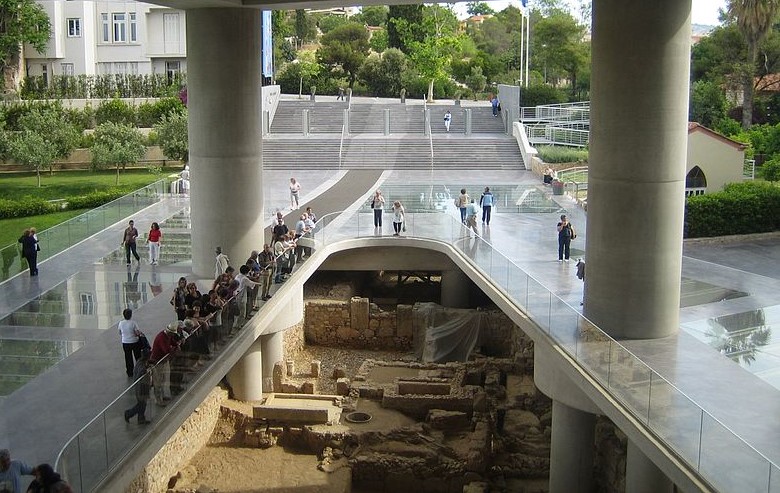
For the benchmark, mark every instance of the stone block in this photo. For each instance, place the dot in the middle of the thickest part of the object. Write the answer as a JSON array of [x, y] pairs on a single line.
[[339, 372], [385, 332], [342, 386], [359, 313], [404, 321], [307, 388], [278, 376], [290, 364], [316, 365], [291, 388], [440, 419], [309, 415]]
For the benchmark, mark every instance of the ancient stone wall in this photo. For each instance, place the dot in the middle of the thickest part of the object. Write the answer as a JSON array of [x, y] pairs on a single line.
[[330, 323], [191, 436], [294, 340]]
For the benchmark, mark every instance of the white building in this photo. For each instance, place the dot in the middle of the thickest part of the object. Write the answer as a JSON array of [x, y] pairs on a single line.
[[110, 37]]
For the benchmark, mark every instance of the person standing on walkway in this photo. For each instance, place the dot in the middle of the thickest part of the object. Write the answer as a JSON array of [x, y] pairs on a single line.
[[447, 120], [165, 343], [471, 216], [341, 94], [565, 235], [179, 298], [494, 104], [295, 191], [143, 383], [267, 266], [222, 263], [30, 250], [463, 202], [154, 243], [128, 241], [398, 218], [131, 340], [11, 472], [486, 202], [378, 206]]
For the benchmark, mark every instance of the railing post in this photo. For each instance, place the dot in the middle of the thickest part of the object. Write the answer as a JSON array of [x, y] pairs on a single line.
[[387, 121], [427, 121], [346, 120], [305, 122], [266, 128], [467, 119]]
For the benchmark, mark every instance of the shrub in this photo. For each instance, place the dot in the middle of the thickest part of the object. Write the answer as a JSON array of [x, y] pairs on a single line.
[[741, 208], [28, 206], [115, 111], [150, 114], [94, 199], [770, 170], [541, 94], [562, 154]]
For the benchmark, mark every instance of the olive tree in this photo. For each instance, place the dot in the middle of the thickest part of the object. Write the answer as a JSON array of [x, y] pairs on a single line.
[[116, 144]]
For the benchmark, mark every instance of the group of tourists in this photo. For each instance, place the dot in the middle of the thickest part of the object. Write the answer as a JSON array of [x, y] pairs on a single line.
[[130, 243], [397, 210], [469, 210], [46, 479]]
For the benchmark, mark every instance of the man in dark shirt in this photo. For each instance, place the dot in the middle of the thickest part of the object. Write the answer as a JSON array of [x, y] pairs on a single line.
[[128, 241], [280, 229]]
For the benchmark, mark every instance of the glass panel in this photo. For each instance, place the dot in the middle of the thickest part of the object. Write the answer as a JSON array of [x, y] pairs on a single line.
[[774, 479], [499, 270], [122, 436], [12, 261], [629, 381], [721, 450], [538, 306], [69, 465], [518, 286], [593, 350], [92, 448], [675, 418], [564, 326]]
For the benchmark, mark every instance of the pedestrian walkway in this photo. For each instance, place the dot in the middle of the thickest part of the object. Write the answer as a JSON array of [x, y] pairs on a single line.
[[37, 419]]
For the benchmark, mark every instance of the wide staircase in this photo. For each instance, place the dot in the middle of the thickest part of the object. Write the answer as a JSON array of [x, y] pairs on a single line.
[[366, 146]]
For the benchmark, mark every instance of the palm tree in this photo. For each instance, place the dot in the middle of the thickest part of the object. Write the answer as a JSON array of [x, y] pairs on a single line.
[[754, 19]]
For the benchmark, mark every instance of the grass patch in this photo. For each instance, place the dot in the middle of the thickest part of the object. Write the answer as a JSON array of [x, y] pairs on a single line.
[[72, 183], [11, 229]]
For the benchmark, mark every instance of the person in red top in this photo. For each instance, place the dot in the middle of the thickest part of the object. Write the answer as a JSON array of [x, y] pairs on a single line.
[[166, 342], [154, 243]]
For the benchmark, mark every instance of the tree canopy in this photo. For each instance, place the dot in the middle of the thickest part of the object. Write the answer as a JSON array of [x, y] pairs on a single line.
[[21, 21], [344, 49], [117, 144]]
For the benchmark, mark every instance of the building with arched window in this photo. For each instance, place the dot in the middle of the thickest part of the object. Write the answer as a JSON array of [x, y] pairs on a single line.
[[713, 161]]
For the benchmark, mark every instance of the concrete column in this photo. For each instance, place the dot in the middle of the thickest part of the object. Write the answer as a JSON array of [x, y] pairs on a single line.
[[571, 450], [638, 142], [305, 122], [224, 101], [387, 121], [455, 287], [467, 118], [642, 475], [246, 378], [272, 346]]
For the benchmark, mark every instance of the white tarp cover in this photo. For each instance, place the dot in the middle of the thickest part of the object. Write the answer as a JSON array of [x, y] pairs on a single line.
[[450, 334]]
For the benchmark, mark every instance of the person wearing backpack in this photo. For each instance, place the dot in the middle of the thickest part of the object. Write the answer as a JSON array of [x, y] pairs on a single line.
[[566, 233], [486, 203]]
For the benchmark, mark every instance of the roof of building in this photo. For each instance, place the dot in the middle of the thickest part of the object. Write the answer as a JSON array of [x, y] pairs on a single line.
[[698, 127]]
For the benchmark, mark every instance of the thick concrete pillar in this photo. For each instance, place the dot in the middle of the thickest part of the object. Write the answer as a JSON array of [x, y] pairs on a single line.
[[223, 98], [272, 346], [638, 141], [642, 475], [455, 289], [571, 450], [246, 378]]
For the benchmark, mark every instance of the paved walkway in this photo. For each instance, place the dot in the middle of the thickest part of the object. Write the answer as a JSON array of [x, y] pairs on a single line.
[[36, 420]]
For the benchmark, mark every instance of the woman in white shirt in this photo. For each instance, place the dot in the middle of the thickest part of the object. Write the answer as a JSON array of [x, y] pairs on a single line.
[[378, 205], [398, 218], [131, 337], [295, 190]]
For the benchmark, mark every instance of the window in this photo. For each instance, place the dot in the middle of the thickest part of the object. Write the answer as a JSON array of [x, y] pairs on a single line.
[[45, 74], [67, 69], [120, 27], [87, 304], [172, 69], [106, 31], [133, 28], [74, 28]]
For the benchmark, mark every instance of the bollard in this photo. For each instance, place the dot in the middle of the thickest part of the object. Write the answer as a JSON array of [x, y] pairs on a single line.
[[467, 118], [305, 122], [387, 121]]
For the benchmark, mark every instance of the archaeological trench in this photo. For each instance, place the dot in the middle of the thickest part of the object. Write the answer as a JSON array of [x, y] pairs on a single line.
[[355, 407]]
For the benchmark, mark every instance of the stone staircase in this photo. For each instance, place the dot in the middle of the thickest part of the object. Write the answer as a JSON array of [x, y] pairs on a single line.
[[407, 147]]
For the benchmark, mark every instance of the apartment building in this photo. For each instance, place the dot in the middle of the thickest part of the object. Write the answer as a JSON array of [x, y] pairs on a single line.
[[110, 37]]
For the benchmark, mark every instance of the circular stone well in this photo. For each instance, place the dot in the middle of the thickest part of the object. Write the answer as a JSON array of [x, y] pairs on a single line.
[[358, 417]]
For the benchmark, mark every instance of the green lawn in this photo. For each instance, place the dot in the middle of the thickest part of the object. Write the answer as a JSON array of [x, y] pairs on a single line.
[[70, 183], [11, 229]]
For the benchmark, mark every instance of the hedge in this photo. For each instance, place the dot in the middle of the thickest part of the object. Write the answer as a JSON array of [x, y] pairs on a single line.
[[741, 208], [30, 206]]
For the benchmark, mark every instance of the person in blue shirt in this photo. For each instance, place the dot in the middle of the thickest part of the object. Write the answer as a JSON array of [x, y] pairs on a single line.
[[494, 104], [486, 202], [471, 216], [11, 472]]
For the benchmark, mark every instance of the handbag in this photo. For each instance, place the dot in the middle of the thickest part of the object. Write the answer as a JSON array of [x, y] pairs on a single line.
[[144, 343]]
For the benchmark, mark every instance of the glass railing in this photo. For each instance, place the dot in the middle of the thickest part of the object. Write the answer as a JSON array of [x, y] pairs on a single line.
[[708, 446], [64, 235]]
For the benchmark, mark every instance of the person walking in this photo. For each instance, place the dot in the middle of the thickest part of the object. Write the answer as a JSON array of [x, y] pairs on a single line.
[[565, 234], [131, 340], [495, 105], [153, 240], [378, 206], [471, 217], [486, 202], [11, 472], [222, 263], [165, 343], [143, 383], [128, 241], [398, 218], [341, 94], [30, 250], [295, 191], [267, 267], [447, 120], [463, 202]]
